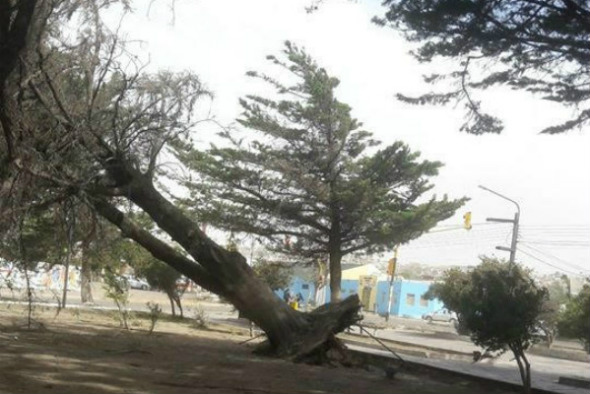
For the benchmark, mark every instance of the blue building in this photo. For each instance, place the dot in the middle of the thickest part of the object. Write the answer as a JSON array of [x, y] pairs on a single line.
[[407, 301], [300, 286]]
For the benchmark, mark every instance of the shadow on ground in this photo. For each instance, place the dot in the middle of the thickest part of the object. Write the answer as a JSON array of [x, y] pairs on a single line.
[[78, 355]]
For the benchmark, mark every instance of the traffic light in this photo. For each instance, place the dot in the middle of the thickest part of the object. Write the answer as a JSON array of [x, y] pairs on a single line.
[[467, 221]]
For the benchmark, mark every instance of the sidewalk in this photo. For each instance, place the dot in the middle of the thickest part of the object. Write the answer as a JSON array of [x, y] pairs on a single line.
[[545, 371], [542, 382]]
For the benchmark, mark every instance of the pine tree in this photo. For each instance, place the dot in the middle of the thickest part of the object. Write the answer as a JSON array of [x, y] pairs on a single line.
[[307, 181]]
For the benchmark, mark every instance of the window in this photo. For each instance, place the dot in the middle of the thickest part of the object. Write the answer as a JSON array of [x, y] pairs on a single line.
[[423, 301], [305, 286], [410, 299]]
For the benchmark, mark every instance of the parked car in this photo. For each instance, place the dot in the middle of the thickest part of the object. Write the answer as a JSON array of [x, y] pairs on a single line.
[[443, 315], [136, 283]]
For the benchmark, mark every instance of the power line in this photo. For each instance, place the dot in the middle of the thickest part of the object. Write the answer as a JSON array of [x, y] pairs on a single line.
[[461, 227], [571, 265], [557, 243], [547, 263], [566, 226]]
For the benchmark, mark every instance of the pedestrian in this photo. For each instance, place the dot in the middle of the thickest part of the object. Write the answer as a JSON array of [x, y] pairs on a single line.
[[293, 302], [286, 295]]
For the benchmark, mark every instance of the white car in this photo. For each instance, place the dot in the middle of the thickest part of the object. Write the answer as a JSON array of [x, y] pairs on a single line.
[[136, 283], [443, 315]]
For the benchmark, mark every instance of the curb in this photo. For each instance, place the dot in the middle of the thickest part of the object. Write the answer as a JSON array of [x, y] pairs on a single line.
[[461, 355], [386, 361]]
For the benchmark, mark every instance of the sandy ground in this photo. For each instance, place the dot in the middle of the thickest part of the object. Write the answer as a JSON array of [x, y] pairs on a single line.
[[87, 352]]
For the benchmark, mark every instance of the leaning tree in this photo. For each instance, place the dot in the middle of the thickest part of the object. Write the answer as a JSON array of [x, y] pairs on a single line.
[[81, 119], [302, 169], [540, 46]]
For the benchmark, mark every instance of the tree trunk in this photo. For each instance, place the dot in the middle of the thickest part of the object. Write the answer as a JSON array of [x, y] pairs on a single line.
[[523, 367], [85, 277], [335, 275], [179, 305], [335, 246], [290, 333], [171, 305], [527, 370]]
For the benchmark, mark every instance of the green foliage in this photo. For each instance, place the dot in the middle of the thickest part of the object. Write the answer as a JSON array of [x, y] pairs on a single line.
[[155, 313], [200, 318], [38, 237], [558, 291], [497, 302], [305, 181], [274, 274], [548, 319], [158, 274], [574, 322], [117, 289], [540, 46]]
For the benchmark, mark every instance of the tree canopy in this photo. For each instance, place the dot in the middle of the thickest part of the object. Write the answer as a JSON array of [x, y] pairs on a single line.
[[540, 46], [498, 303], [310, 180], [574, 322], [275, 274]]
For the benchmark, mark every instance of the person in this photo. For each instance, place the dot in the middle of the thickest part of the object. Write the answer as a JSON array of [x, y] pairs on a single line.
[[286, 295], [299, 300], [293, 303]]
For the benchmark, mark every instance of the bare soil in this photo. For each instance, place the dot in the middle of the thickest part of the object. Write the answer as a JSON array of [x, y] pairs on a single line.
[[83, 351]]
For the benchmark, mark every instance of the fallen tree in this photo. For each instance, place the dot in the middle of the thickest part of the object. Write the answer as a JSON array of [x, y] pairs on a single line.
[[80, 119]]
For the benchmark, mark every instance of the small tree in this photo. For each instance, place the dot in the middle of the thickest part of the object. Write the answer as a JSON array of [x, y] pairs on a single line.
[[160, 276], [574, 322], [30, 239], [117, 289], [548, 320], [499, 304], [275, 274]]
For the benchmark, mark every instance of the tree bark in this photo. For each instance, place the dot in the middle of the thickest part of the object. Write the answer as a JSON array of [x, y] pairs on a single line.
[[335, 249], [524, 367], [527, 370], [290, 333], [171, 305], [335, 275], [179, 305], [85, 277]]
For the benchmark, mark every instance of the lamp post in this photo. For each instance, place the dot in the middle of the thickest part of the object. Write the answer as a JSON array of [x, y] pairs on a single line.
[[514, 222]]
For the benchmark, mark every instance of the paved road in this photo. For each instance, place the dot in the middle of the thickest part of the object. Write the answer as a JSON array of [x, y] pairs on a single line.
[[138, 300], [538, 363], [445, 331]]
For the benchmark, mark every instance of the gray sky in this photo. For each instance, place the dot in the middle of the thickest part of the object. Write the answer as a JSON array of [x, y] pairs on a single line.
[[548, 175]]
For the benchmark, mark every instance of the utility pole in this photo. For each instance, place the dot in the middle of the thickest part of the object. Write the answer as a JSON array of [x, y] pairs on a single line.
[[512, 248], [392, 265]]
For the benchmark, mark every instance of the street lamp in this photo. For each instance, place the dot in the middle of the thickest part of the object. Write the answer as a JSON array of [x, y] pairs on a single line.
[[512, 248]]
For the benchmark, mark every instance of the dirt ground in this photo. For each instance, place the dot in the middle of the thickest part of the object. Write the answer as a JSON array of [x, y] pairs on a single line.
[[83, 351]]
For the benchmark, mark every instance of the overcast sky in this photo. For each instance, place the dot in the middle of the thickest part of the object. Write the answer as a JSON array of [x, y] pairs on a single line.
[[548, 175]]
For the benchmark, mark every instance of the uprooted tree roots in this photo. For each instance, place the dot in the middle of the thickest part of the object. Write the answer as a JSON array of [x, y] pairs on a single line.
[[315, 341]]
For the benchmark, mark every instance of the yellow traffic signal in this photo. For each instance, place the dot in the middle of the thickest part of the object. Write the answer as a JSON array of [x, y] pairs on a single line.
[[467, 221]]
